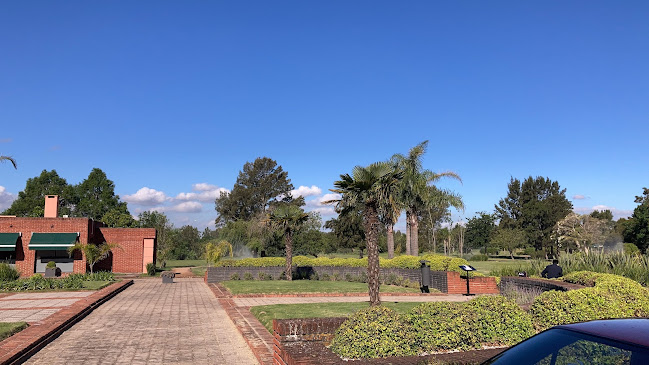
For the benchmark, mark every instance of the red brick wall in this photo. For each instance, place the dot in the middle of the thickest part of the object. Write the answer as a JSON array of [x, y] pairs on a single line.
[[129, 258], [25, 258], [477, 285]]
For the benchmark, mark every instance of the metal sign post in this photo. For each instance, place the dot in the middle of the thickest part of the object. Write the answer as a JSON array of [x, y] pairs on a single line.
[[467, 269]]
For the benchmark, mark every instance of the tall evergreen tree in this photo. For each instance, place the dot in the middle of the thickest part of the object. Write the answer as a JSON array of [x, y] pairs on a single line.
[[31, 201], [259, 185], [535, 206], [96, 197], [637, 227]]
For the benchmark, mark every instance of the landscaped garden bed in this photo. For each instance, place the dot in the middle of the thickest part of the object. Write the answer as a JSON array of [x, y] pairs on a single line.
[[7, 329], [484, 322]]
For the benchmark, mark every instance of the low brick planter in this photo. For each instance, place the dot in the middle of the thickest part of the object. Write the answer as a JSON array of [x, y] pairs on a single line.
[[304, 341], [537, 284]]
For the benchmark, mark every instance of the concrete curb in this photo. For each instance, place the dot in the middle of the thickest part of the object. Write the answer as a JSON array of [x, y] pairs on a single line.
[[21, 346]]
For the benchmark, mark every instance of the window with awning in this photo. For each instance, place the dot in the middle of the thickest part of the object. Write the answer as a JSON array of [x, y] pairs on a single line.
[[8, 241], [52, 241]]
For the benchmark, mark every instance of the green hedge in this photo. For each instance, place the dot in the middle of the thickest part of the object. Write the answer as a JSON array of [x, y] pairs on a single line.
[[489, 320], [437, 262], [38, 282], [611, 296], [374, 332], [432, 327]]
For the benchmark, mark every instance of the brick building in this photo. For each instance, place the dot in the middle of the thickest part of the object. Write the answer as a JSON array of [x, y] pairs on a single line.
[[30, 243]]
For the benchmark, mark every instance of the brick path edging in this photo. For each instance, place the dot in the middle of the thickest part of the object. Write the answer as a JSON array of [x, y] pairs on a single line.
[[19, 347], [257, 337]]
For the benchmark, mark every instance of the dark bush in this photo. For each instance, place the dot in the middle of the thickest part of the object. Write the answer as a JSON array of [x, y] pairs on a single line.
[[479, 257], [8, 273], [150, 269]]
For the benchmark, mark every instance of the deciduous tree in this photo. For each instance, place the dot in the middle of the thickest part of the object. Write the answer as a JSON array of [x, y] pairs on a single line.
[[636, 229], [31, 201]]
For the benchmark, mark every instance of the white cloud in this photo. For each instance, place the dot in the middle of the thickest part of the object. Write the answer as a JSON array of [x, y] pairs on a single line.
[[204, 187], [617, 213], [579, 197], [206, 193], [306, 191], [146, 196], [6, 198], [184, 207]]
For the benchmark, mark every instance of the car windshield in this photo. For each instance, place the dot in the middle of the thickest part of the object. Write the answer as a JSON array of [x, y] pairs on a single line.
[[564, 347]]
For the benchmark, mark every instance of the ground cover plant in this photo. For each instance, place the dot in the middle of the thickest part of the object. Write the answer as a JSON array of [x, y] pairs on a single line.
[[266, 313], [611, 296], [92, 281], [305, 286], [8, 329]]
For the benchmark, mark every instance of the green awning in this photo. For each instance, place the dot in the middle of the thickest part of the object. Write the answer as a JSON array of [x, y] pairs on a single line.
[[8, 241], [52, 241]]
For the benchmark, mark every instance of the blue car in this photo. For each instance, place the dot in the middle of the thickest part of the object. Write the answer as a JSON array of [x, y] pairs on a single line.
[[601, 342]]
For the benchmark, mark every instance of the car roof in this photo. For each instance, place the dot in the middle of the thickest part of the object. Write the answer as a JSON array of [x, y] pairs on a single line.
[[630, 330]]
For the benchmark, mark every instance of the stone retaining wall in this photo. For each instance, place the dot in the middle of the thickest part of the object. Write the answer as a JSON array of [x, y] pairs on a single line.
[[536, 284]]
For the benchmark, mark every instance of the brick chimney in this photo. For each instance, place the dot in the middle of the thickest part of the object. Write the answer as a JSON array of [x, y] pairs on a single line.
[[51, 206]]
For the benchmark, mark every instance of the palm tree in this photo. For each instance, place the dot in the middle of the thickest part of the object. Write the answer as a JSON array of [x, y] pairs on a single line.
[[414, 189], [10, 159], [371, 188], [437, 203], [287, 219], [93, 253]]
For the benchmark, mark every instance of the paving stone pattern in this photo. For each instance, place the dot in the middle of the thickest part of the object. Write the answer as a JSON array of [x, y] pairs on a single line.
[[152, 323], [35, 307]]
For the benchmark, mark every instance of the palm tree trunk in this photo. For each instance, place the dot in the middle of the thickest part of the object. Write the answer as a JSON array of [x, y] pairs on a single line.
[[371, 223], [407, 232], [390, 229], [414, 235], [289, 256]]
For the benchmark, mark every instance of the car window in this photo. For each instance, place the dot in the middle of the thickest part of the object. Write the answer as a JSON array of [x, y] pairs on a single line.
[[585, 352], [561, 347]]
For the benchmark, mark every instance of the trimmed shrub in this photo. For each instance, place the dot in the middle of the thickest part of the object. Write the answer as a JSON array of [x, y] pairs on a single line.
[[150, 269], [631, 249], [437, 262], [611, 296], [51, 265], [247, 276], [8, 273], [373, 332], [489, 320], [235, 276]]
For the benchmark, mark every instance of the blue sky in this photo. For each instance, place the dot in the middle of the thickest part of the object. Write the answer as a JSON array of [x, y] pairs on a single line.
[[171, 98]]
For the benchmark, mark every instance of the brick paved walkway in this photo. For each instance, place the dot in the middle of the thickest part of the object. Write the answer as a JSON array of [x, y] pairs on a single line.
[[152, 323]]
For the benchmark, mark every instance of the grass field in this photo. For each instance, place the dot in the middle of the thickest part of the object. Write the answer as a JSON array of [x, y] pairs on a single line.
[[485, 267], [266, 313], [305, 286], [185, 263], [9, 328]]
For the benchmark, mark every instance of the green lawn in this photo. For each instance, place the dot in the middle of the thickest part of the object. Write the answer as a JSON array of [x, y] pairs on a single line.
[[9, 328], [185, 263], [266, 313], [305, 286], [96, 285], [484, 267]]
